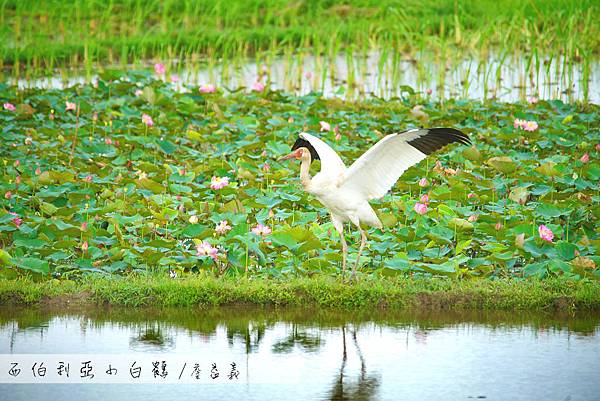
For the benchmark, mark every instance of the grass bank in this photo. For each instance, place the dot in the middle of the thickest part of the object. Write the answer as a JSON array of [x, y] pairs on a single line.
[[321, 292]]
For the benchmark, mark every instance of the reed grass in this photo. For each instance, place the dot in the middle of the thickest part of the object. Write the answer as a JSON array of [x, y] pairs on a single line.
[[39, 36]]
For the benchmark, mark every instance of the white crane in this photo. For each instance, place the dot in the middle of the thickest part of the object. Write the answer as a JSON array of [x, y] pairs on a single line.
[[346, 192]]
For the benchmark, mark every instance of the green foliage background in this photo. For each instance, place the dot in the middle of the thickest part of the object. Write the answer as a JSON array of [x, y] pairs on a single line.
[[137, 195]]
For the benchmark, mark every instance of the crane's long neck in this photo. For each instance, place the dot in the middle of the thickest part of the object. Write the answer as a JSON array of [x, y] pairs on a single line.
[[304, 175]]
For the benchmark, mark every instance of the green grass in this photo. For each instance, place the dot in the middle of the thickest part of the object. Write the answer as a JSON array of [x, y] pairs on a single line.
[[38, 36], [393, 293]]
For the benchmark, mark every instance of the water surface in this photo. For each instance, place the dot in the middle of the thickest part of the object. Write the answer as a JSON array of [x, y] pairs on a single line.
[[319, 355], [503, 77]]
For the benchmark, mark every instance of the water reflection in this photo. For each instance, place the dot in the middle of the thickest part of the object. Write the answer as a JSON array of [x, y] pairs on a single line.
[[325, 354], [151, 337], [498, 76], [251, 334], [298, 337], [365, 385], [249, 325]]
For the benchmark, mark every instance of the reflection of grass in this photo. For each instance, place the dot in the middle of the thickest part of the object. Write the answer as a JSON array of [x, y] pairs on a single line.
[[392, 293], [249, 322]]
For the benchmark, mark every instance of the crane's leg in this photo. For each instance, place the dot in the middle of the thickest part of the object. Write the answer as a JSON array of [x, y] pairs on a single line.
[[339, 227], [363, 240]]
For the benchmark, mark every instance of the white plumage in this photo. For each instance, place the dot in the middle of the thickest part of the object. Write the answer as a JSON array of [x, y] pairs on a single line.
[[346, 192]]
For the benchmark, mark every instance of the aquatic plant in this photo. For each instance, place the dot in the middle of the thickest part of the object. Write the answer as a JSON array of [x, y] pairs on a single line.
[[140, 197]]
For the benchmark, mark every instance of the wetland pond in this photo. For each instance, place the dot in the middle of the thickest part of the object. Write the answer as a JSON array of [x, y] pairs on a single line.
[[303, 354], [351, 77]]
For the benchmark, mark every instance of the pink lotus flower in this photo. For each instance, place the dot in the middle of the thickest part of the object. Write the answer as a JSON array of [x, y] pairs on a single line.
[[429, 91], [473, 217], [16, 163], [425, 199], [258, 86], [598, 147], [108, 141], [498, 226], [18, 179], [259, 229], [222, 227], [174, 78], [208, 88], [206, 249], [84, 226], [266, 167], [139, 92], [159, 68], [219, 182], [84, 246], [325, 126], [530, 126], [38, 171], [88, 178], [338, 135], [423, 182], [525, 125], [146, 119], [519, 124], [8, 195], [420, 208], [471, 195], [585, 158], [70, 106], [9, 106], [532, 99], [308, 75], [17, 220], [545, 233]]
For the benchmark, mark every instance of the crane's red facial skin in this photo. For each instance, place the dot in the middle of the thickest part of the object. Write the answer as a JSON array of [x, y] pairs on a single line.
[[296, 154]]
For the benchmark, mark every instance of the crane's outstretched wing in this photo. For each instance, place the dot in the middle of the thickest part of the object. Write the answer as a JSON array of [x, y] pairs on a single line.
[[331, 164], [378, 169]]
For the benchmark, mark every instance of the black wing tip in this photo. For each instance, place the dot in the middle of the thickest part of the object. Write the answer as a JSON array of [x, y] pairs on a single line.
[[453, 133], [303, 143], [437, 138]]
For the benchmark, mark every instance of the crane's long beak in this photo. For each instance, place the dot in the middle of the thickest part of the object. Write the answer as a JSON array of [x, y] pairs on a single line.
[[294, 155], [287, 157]]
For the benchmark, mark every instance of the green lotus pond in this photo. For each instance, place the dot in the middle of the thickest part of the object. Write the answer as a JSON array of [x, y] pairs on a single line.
[[88, 187]]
